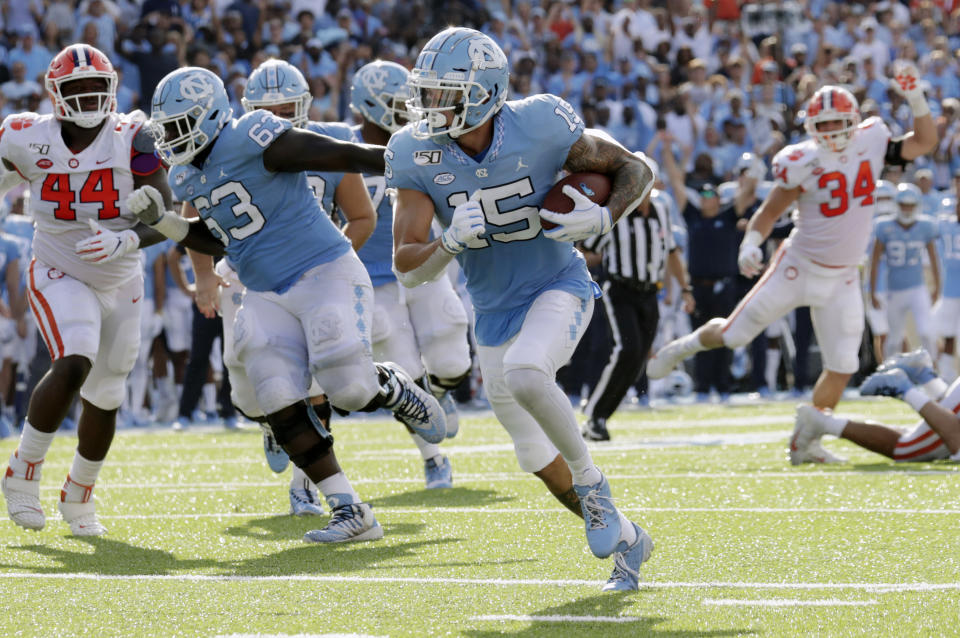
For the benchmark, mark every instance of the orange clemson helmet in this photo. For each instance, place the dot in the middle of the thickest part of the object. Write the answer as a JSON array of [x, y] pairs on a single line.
[[832, 104], [78, 62]]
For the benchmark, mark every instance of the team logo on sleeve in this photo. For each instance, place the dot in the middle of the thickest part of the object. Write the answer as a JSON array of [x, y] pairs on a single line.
[[427, 157]]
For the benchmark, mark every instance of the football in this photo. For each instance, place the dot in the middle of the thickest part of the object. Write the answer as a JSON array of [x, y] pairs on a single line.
[[596, 186]]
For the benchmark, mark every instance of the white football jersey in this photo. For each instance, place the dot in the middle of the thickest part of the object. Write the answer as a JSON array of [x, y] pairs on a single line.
[[835, 210], [68, 189]]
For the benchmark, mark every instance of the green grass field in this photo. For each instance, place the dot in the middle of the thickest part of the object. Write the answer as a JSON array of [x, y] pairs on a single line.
[[200, 543]]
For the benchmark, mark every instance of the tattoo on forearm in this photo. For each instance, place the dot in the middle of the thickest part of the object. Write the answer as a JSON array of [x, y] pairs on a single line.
[[571, 501], [631, 176]]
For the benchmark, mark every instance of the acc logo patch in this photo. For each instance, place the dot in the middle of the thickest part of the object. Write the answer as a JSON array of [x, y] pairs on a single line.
[[44, 163], [427, 158], [442, 179]]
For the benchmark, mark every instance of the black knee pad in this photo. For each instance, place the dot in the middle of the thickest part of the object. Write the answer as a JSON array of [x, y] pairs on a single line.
[[448, 383], [285, 430], [323, 412], [258, 419]]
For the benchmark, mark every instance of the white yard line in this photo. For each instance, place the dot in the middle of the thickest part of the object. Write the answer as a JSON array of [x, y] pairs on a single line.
[[513, 477], [552, 512], [787, 602], [502, 582], [606, 619]]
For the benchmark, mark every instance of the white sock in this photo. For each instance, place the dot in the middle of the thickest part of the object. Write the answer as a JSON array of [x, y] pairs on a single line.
[[833, 424], [773, 367], [337, 484], [628, 533], [427, 450], [935, 388], [80, 480], [178, 392], [300, 481], [947, 367], [584, 471], [34, 443], [209, 397], [691, 344]]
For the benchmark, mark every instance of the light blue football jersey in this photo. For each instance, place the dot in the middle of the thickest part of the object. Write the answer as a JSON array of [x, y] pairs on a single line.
[[377, 253], [881, 265], [9, 253], [19, 225], [512, 263], [324, 185], [272, 226], [904, 249], [950, 255], [150, 256]]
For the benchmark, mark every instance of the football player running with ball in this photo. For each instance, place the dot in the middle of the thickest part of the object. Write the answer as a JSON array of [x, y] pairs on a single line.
[[482, 166], [81, 162], [830, 178], [306, 311]]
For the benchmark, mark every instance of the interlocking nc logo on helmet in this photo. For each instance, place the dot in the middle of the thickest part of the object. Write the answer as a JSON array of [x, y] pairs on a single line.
[[374, 79], [485, 56], [195, 88]]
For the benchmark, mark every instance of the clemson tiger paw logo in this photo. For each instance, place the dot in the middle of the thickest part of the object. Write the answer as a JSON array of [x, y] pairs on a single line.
[[907, 82]]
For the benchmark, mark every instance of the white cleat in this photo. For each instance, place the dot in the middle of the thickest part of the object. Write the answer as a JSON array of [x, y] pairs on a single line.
[[23, 501], [304, 503], [665, 360], [805, 444], [82, 518]]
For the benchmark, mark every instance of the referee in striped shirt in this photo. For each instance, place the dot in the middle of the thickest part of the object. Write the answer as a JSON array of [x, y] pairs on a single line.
[[638, 254]]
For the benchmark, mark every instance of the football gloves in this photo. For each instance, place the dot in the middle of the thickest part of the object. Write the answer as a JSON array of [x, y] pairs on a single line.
[[585, 220], [467, 224], [106, 245]]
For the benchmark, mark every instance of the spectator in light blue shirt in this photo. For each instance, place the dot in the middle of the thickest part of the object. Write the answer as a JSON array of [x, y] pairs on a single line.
[[35, 57]]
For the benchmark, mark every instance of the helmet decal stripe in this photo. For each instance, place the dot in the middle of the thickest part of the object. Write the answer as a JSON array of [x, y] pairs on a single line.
[[76, 57]]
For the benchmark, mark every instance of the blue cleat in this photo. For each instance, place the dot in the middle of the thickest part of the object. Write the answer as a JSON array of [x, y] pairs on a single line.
[[449, 407], [413, 406], [439, 475], [277, 457], [917, 364], [892, 383], [304, 502], [600, 517], [627, 561], [349, 522]]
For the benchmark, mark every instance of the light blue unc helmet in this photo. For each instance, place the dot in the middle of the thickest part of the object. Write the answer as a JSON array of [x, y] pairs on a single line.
[[275, 83], [379, 93], [908, 195], [189, 108], [459, 72], [885, 194]]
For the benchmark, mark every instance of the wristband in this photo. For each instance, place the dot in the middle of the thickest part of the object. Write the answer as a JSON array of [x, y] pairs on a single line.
[[752, 238], [919, 106], [172, 225]]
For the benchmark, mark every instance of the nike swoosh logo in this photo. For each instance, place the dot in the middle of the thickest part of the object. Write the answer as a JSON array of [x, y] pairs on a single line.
[[136, 299], [103, 161]]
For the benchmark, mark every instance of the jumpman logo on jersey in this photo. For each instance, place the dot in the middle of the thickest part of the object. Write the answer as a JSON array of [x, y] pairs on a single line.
[[223, 173], [520, 164]]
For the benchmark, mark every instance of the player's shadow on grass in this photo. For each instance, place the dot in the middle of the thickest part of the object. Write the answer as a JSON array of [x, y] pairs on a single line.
[[332, 559], [604, 605], [285, 527], [111, 558], [451, 497]]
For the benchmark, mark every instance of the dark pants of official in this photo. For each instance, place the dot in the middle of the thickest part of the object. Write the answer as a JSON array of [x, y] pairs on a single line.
[[632, 316], [714, 298], [205, 332]]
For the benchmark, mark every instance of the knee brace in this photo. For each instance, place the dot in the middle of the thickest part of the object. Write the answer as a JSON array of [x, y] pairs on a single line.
[[323, 412], [301, 435], [449, 383]]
